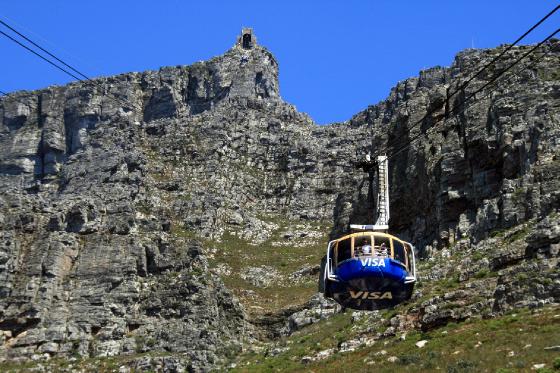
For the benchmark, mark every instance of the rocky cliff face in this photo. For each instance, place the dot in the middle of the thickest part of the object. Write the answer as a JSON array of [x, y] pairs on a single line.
[[115, 192]]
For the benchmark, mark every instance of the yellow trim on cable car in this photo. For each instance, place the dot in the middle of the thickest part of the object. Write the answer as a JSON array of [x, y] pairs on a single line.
[[372, 234], [361, 234]]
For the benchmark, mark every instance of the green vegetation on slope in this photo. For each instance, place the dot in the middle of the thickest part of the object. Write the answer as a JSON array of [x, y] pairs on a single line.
[[511, 343], [238, 255]]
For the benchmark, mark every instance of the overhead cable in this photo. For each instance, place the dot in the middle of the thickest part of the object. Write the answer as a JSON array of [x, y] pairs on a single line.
[[85, 77], [472, 95], [485, 67]]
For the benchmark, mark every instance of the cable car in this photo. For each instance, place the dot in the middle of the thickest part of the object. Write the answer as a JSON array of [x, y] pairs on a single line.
[[370, 269]]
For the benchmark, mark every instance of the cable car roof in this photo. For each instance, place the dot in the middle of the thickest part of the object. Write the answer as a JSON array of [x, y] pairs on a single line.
[[370, 233]]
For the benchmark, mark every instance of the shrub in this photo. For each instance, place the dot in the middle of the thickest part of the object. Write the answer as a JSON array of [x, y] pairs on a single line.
[[462, 366], [482, 273], [556, 363], [408, 359]]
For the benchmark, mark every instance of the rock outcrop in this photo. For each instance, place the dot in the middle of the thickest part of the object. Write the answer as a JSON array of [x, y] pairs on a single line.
[[109, 189]]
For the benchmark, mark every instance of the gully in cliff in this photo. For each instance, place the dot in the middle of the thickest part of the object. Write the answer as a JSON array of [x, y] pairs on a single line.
[[370, 269]]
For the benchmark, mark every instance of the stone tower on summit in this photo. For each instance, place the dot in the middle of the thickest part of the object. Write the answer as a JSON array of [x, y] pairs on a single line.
[[247, 39]]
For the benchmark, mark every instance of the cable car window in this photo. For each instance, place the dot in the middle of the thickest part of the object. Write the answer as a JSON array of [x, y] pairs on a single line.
[[382, 246], [409, 249], [362, 246], [344, 250], [333, 249], [398, 249], [332, 253]]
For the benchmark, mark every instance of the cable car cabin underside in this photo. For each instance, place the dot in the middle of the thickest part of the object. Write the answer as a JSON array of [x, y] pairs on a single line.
[[369, 270]]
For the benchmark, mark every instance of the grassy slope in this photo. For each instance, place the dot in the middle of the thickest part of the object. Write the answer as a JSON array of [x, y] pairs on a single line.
[[238, 255], [511, 343], [514, 342]]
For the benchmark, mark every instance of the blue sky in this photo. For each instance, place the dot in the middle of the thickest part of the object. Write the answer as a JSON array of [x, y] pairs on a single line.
[[336, 57]]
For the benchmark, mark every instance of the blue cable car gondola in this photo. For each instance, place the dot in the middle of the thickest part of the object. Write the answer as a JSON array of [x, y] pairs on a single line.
[[370, 269]]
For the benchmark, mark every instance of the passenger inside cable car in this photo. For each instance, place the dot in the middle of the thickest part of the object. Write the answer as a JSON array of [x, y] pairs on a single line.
[[363, 248]]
